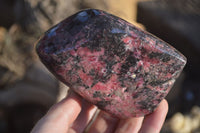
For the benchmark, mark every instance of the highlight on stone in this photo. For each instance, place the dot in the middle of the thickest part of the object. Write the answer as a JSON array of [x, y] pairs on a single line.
[[109, 62]]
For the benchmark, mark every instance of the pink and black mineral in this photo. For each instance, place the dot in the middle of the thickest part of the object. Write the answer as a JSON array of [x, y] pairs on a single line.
[[123, 70]]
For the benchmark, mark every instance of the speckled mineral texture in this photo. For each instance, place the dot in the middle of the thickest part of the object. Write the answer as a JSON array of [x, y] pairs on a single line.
[[111, 63]]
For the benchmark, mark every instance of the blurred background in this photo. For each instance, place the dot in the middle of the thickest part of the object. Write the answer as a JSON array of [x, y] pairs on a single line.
[[27, 89]]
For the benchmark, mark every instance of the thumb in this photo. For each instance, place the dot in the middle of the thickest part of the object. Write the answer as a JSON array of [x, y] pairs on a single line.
[[60, 116]]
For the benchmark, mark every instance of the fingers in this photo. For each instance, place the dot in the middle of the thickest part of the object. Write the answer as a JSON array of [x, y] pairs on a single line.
[[131, 125], [84, 118], [104, 123], [153, 122], [60, 116]]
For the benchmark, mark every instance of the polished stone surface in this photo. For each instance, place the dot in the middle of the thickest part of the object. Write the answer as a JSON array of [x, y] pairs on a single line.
[[111, 63]]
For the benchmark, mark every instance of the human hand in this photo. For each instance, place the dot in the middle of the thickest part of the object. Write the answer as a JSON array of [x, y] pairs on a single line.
[[73, 115]]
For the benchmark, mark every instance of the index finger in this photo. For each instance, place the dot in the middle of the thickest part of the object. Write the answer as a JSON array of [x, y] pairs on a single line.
[[153, 122]]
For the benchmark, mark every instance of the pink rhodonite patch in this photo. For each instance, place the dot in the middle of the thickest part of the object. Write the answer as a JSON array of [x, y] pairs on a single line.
[[111, 63]]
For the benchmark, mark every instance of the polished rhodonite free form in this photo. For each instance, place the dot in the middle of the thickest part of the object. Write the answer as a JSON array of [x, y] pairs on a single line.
[[111, 63]]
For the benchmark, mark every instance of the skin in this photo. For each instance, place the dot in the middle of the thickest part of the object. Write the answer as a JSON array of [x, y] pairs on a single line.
[[73, 115]]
